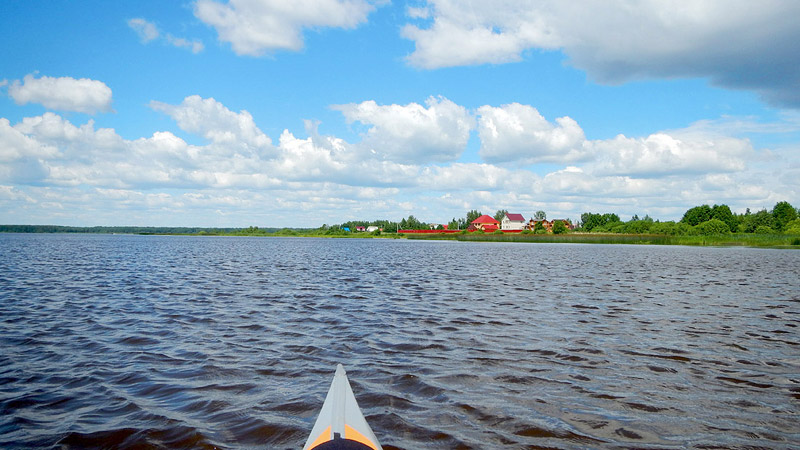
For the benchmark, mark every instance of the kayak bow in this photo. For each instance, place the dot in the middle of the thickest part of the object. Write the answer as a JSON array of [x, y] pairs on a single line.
[[340, 424]]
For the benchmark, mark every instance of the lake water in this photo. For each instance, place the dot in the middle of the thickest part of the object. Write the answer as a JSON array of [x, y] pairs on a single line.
[[204, 342]]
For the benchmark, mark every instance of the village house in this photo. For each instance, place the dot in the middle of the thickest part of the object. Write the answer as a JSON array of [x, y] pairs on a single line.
[[548, 224], [513, 222], [485, 223]]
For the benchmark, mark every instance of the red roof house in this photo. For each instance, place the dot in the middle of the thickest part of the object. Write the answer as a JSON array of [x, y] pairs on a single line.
[[485, 223]]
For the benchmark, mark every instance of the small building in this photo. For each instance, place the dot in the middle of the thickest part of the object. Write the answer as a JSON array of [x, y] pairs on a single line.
[[485, 223], [360, 228], [372, 228], [548, 224], [513, 222]]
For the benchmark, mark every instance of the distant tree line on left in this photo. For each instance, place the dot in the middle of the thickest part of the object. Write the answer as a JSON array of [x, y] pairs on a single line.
[[113, 230]]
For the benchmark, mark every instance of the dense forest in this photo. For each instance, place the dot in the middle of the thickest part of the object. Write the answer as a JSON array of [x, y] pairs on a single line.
[[701, 220]]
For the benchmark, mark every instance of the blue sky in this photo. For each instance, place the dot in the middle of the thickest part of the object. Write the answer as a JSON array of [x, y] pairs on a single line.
[[274, 113]]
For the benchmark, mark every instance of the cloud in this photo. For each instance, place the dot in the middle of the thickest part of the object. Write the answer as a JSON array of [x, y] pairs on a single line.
[[661, 154], [53, 165], [254, 27], [63, 94], [230, 132], [195, 46], [21, 156], [147, 31], [736, 44], [518, 133], [472, 176], [337, 162], [15, 145], [77, 142], [413, 133]]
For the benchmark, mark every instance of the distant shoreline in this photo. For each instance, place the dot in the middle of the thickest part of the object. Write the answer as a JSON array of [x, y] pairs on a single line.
[[723, 240]]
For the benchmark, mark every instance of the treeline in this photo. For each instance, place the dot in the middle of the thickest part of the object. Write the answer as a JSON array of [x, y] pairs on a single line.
[[203, 231], [701, 220], [110, 230]]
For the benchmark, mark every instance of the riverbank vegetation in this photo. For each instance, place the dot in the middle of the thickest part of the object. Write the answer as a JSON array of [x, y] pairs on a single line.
[[722, 240], [700, 225]]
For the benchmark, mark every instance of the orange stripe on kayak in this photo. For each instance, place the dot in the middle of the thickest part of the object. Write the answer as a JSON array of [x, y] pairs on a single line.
[[353, 434], [324, 437]]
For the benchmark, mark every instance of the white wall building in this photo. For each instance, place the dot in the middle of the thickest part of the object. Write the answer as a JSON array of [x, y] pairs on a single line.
[[512, 222]]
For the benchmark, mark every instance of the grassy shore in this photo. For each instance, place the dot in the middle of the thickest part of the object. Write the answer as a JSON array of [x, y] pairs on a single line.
[[729, 240], [721, 240]]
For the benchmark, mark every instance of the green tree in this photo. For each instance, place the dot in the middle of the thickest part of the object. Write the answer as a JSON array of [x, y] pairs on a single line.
[[750, 222], [637, 226], [598, 222], [793, 227], [782, 214], [711, 227], [540, 215], [590, 221], [697, 215], [670, 228], [615, 227], [472, 215], [539, 228], [608, 218], [498, 216], [559, 227], [412, 223], [763, 229], [723, 213]]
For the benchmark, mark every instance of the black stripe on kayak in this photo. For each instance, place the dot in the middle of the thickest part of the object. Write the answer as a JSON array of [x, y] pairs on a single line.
[[341, 444]]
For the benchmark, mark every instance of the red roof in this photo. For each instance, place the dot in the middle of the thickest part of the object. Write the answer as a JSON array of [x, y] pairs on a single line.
[[488, 228], [515, 217], [485, 219]]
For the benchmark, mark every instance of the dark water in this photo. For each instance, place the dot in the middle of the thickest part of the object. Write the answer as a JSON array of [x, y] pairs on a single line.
[[148, 342]]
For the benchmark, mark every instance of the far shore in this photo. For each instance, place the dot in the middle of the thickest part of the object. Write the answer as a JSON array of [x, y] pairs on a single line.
[[775, 240]]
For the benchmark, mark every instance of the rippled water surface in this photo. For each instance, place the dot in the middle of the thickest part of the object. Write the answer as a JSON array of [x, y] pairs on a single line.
[[149, 341]]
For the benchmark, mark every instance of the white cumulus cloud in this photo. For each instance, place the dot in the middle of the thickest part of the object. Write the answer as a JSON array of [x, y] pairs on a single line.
[[738, 44], [662, 154], [254, 27], [228, 130], [51, 164], [15, 145], [518, 133], [64, 93], [413, 133]]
